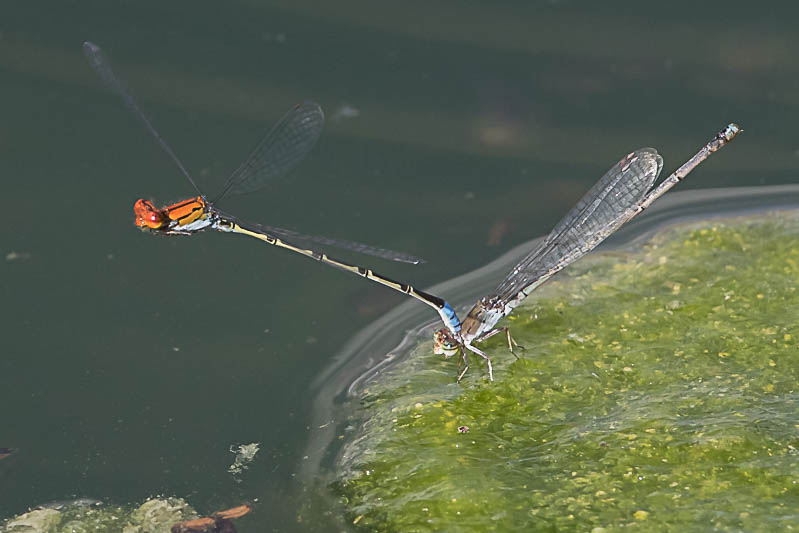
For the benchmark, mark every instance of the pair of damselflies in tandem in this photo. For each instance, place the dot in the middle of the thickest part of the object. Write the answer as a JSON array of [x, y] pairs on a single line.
[[286, 144], [622, 193]]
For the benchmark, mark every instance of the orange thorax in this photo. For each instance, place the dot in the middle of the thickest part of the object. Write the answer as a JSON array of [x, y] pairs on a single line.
[[180, 214]]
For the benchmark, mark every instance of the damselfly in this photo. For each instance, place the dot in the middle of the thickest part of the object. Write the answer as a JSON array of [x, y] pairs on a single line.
[[622, 193], [283, 147]]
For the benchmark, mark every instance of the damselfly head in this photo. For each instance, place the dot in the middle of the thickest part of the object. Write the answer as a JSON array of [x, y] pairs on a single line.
[[148, 216], [445, 343]]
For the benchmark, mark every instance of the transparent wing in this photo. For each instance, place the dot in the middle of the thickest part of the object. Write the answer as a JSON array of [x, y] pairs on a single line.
[[288, 142], [366, 249], [101, 65], [345, 245], [604, 208]]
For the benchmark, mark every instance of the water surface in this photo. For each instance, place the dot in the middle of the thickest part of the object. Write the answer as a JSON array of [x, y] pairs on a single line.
[[131, 364]]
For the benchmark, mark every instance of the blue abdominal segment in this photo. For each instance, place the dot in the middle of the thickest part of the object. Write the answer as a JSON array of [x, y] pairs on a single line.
[[451, 319]]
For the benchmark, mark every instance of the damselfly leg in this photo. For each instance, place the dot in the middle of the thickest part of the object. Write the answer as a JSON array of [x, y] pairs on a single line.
[[466, 362], [511, 341], [622, 193]]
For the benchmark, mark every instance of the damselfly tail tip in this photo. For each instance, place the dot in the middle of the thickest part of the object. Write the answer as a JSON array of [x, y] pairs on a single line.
[[311, 107], [731, 131]]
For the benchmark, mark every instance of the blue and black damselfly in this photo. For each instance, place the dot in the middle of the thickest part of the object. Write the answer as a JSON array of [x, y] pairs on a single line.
[[622, 193]]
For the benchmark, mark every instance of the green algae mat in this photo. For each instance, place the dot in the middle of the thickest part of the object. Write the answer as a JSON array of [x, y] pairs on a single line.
[[657, 391], [86, 516]]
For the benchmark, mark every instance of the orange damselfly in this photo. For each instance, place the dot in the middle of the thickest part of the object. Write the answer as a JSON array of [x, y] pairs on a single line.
[[286, 144]]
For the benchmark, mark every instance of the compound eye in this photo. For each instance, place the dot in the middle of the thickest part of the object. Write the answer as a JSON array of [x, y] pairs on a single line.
[[444, 343], [147, 216]]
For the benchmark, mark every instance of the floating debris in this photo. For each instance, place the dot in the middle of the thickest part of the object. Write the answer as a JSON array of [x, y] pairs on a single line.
[[219, 522], [84, 515], [17, 256], [345, 111], [245, 454]]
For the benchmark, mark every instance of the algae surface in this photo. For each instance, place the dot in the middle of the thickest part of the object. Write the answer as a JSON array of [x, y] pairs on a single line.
[[658, 390], [156, 515]]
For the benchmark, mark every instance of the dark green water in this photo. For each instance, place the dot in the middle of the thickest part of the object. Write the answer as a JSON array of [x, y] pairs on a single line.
[[130, 364]]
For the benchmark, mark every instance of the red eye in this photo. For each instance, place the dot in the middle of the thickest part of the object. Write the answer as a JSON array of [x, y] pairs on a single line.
[[148, 216]]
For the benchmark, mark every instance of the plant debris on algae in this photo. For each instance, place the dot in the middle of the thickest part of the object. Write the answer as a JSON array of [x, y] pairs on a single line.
[[658, 390]]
